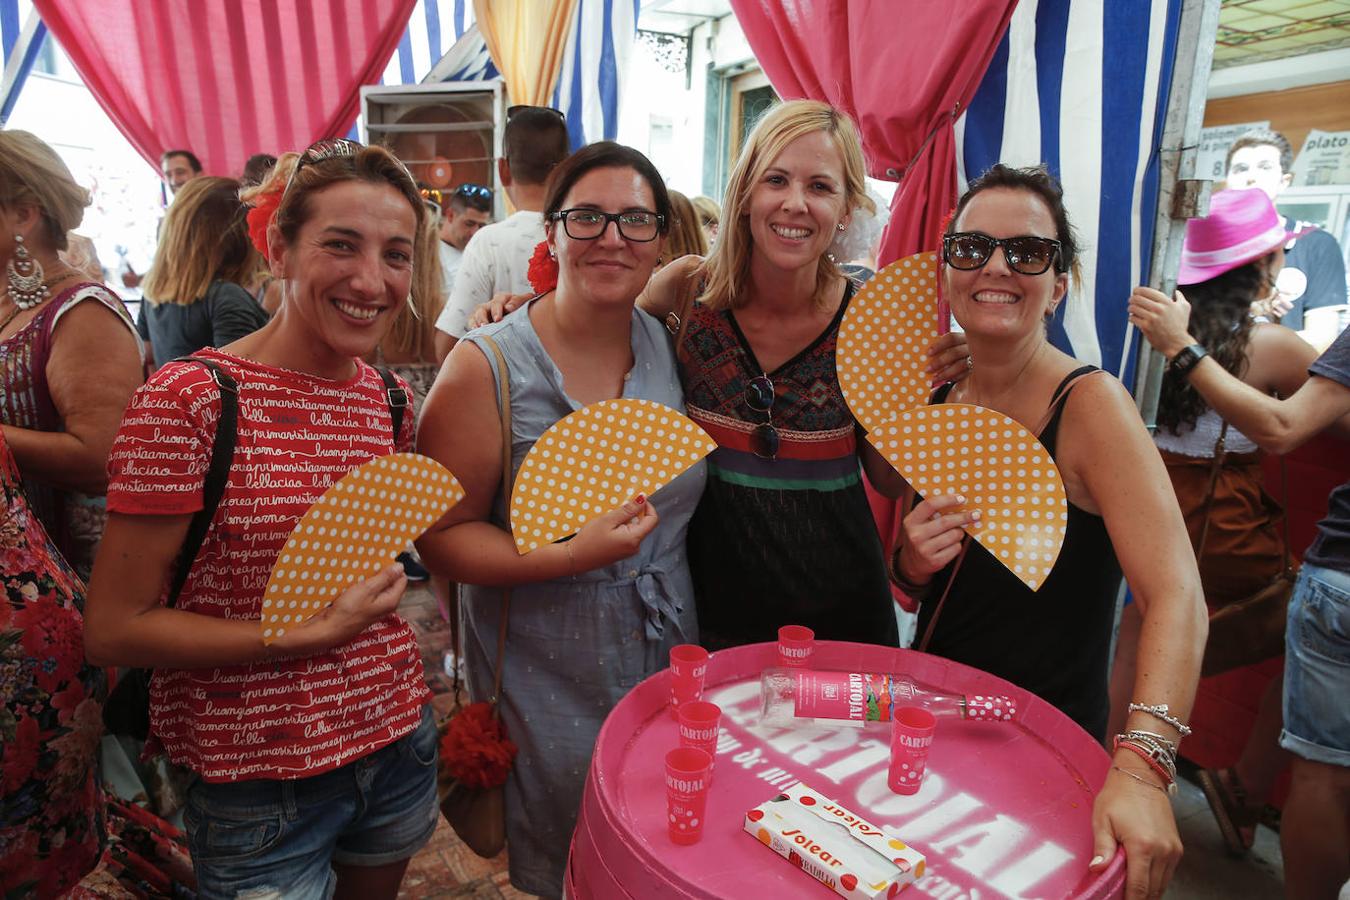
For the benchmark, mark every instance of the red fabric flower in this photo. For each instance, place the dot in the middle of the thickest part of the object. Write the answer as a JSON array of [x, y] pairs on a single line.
[[475, 750], [543, 270], [260, 215]]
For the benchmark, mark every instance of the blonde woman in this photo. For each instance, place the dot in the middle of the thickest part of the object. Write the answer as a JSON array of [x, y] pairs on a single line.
[[783, 533], [194, 294], [68, 350]]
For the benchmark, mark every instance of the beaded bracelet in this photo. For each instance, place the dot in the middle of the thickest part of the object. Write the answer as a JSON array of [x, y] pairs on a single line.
[[1158, 787], [1153, 764], [1160, 712]]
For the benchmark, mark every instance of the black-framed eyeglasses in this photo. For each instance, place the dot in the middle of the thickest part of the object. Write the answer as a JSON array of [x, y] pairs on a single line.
[[1027, 255], [759, 396], [638, 225], [521, 107], [474, 191]]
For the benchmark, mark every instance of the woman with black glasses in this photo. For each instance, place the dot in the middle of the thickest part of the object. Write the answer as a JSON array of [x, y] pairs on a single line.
[[589, 617], [1007, 257]]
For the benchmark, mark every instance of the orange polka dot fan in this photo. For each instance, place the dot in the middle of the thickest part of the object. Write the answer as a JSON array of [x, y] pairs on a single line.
[[595, 459], [996, 463], [354, 530]]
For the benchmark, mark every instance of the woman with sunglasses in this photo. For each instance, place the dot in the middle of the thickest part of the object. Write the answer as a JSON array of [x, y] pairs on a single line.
[[1007, 256], [592, 616], [316, 753]]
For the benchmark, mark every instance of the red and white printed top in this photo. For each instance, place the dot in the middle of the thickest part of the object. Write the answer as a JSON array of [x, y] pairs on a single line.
[[298, 434]]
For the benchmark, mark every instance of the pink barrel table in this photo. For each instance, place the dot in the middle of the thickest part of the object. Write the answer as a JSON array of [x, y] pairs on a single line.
[[1004, 810]]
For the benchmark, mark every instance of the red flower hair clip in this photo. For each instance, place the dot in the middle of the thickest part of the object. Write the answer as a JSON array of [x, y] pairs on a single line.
[[261, 212], [543, 270]]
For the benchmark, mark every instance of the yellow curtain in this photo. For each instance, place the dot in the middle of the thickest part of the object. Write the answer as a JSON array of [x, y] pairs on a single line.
[[526, 40]]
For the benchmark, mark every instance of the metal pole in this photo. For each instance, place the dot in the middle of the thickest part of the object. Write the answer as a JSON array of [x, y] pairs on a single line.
[[1180, 195]]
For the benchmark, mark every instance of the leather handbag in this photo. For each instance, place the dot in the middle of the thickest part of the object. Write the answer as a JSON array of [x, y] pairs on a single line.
[[1251, 629], [478, 814]]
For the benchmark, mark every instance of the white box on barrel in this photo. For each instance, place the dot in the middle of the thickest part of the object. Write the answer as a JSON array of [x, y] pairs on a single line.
[[838, 848]]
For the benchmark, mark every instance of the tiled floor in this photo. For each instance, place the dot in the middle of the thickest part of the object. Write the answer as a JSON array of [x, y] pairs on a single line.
[[446, 868]]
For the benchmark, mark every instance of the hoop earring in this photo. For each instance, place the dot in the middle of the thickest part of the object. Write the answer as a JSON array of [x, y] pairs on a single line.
[[25, 275]]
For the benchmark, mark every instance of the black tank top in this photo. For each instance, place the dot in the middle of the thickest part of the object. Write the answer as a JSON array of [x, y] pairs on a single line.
[[1054, 642]]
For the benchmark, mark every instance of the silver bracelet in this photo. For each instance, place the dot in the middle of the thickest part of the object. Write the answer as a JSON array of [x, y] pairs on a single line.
[[1154, 738], [1159, 711]]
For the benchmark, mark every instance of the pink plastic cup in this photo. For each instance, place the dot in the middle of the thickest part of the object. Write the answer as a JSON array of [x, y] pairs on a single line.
[[911, 736], [699, 724], [688, 773], [795, 643], [688, 666]]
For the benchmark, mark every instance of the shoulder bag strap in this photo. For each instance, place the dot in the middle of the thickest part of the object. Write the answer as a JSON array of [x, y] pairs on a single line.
[[1220, 452], [396, 397], [217, 473], [504, 409], [1060, 394]]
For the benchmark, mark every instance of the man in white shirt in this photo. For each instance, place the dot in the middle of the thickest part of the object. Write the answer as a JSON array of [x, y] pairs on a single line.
[[497, 258], [465, 210]]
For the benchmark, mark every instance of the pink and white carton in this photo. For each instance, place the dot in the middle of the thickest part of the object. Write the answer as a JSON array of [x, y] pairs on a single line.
[[838, 848]]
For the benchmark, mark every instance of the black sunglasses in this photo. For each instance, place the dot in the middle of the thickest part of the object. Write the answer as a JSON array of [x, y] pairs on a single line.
[[337, 148], [521, 107], [1028, 255], [470, 191], [759, 396]]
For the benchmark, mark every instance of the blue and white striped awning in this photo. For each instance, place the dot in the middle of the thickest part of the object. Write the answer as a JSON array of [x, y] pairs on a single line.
[[1082, 86], [442, 43], [21, 36]]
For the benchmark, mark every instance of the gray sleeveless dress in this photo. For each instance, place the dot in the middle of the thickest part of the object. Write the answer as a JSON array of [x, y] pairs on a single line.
[[574, 648]]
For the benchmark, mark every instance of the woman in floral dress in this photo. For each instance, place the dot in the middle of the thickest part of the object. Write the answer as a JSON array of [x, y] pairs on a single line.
[[57, 830]]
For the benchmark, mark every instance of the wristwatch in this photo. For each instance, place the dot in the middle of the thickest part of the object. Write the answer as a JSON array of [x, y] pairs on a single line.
[[1187, 358]]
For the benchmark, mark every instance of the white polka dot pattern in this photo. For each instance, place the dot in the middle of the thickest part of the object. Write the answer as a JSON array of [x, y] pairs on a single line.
[[353, 531], [1001, 469], [884, 338], [591, 461]]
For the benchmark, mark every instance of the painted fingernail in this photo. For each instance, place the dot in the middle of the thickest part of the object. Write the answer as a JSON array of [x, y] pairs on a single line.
[[1096, 861], [975, 516], [960, 499], [640, 499]]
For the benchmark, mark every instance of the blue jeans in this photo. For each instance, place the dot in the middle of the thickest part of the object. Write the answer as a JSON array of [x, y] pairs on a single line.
[[1317, 668], [279, 839]]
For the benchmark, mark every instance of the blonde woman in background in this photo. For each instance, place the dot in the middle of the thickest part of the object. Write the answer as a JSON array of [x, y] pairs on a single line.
[[710, 215], [69, 366], [195, 293], [408, 348], [686, 231]]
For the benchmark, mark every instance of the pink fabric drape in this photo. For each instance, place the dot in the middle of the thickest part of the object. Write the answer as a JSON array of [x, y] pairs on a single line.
[[904, 70], [227, 78]]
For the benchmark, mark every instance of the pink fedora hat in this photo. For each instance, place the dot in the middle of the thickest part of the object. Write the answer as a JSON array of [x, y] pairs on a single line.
[[1242, 225]]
